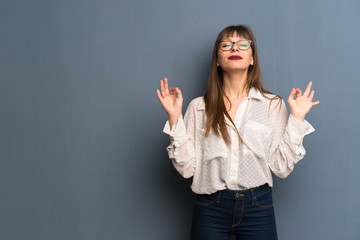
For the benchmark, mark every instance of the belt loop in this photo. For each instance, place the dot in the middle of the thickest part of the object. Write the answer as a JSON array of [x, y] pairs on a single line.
[[218, 197], [252, 197]]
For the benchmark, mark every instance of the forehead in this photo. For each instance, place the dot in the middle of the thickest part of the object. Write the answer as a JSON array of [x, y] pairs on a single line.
[[232, 36]]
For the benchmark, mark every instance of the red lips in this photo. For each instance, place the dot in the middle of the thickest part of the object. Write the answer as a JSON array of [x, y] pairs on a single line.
[[235, 57]]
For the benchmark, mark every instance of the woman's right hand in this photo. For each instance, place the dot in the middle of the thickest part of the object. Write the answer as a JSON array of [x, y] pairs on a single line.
[[170, 102]]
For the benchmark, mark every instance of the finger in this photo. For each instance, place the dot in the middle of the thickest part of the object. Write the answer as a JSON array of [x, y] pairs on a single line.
[[291, 95], [165, 91], [312, 95], [166, 86], [162, 88], [172, 91], [178, 93], [159, 95], [307, 90], [298, 92], [315, 103]]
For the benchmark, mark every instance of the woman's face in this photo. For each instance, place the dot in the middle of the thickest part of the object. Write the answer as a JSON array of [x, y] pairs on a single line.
[[235, 59]]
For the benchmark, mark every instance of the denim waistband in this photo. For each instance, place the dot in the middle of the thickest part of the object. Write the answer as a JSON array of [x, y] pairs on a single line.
[[240, 194]]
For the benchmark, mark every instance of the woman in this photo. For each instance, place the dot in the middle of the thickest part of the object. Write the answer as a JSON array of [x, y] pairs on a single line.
[[231, 140]]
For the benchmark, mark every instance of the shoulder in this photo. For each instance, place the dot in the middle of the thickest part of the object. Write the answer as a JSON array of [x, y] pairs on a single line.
[[273, 99], [197, 104], [270, 100], [275, 103], [270, 95], [267, 96], [194, 109]]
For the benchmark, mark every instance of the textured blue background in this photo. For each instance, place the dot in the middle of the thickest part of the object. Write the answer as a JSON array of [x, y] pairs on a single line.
[[82, 153]]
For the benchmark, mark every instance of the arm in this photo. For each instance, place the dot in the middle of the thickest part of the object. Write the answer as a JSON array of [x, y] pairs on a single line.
[[182, 136], [286, 147], [288, 132], [182, 131]]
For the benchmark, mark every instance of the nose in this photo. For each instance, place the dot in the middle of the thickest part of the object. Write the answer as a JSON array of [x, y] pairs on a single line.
[[235, 47]]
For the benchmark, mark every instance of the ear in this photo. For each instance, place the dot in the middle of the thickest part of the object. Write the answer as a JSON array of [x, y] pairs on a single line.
[[217, 64], [252, 61]]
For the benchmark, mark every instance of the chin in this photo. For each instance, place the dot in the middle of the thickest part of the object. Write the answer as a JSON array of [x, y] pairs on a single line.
[[235, 69]]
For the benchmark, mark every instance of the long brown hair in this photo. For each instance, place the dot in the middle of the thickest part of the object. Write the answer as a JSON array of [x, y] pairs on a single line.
[[214, 96]]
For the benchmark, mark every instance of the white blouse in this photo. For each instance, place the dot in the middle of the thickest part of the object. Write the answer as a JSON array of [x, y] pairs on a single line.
[[272, 141]]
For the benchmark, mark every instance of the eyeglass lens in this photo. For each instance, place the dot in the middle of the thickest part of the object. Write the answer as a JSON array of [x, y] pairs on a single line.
[[227, 45]]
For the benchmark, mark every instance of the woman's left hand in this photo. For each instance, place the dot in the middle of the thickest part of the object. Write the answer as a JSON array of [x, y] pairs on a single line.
[[302, 104]]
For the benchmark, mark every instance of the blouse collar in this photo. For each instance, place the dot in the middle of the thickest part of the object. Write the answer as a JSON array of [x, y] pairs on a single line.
[[253, 94]]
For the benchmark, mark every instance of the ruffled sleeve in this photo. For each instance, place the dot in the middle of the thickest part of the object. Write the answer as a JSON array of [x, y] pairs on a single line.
[[181, 149], [286, 147]]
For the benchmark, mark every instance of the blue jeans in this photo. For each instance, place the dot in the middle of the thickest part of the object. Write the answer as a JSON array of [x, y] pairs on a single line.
[[247, 214]]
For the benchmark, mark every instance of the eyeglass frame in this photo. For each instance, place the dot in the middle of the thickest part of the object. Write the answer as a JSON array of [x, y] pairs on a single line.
[[233, 43]]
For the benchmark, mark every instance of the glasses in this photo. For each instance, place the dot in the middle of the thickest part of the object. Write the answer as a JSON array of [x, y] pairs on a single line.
[[228, 45]]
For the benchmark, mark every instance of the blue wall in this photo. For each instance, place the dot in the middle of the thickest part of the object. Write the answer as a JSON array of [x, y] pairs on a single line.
[[82, 153]]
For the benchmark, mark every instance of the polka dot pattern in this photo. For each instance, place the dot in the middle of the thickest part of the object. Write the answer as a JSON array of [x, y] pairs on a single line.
[[272, 142]]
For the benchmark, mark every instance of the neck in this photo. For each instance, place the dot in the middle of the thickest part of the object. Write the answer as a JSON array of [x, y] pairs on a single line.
[[235, 84]]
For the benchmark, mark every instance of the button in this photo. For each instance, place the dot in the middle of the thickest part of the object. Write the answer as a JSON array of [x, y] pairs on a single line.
[[239, 195]]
